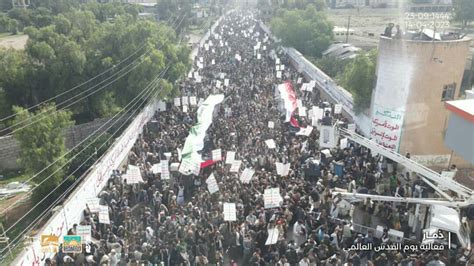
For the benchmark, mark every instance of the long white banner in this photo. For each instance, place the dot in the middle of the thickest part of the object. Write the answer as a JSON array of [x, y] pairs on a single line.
[[94, 182]]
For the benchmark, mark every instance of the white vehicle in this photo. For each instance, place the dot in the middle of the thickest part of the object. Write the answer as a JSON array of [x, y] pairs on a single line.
[[443, 213]]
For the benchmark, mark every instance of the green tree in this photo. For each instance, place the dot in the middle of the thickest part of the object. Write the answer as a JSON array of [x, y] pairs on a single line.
[[332, 66], [463, 11], [94, 147], [303, 4], [14, 70], [70, 48], [5, 5], [359, 79], [41, 144], [308, 31]]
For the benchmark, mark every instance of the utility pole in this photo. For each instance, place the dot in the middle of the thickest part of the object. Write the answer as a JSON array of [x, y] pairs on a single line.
[[348, 25]]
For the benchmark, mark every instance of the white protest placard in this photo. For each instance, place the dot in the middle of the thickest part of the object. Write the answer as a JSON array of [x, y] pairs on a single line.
[[198, 79], [279, 168], [303, 87], [200, 65], [338, 108], [230, 212], [318, 112], [218, 83], [196, 168], [277, 67], [213, 62], [237, 56], [259, 56], [165, 172], [305, 131], [85, 231], [186, 167], [271, 124], [212, 184], [104, 214], [299, 81], [282, 169], [282, 67], [226, 82], [133, 175], [343, 144], [206, 47], [174, 167], [156, 168], [221, 75], [326, 152], [177, 102], [216, 155], [302, 111], [327, 138], [93, 204], [192, 100], [272, 236], [161, 106], [247, 175], [277, 61], [272, 198], [235, 166], [185, 108], [270, 143], [299, 103], [201, 59], [278, 74], [312, 84], [230, 157]]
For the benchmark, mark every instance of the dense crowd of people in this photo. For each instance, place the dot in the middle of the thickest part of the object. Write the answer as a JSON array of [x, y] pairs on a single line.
[[179, 222]]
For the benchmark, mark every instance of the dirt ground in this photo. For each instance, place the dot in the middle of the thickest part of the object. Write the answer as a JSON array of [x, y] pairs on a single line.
[[368, 23], [17, 42]]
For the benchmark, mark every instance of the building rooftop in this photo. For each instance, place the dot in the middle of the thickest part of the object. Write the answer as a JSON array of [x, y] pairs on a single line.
[[342, 51], [463, 108]]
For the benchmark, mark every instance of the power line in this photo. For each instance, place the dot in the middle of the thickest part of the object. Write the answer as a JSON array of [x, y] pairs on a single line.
[[35, 175], [17, 239], [97, 130], [85, 82], [149, 91], [134, 65]]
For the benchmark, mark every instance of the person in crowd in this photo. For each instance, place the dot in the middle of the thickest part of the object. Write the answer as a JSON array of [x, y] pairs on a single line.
[[174, 219]]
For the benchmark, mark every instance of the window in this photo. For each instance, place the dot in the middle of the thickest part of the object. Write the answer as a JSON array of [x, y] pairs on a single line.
[[448, 92]]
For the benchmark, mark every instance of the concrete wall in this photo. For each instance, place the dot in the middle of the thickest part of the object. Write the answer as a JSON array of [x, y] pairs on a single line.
[[433, 65], [10, 149], [460, 136]]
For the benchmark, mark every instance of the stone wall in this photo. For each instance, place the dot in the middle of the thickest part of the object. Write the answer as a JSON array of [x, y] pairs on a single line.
[[74, 135]]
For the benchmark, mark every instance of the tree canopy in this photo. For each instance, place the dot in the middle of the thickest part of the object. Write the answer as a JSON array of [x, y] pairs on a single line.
[[359, 78], [463, 11], [42, 143], [308, 31], [70, 43]]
